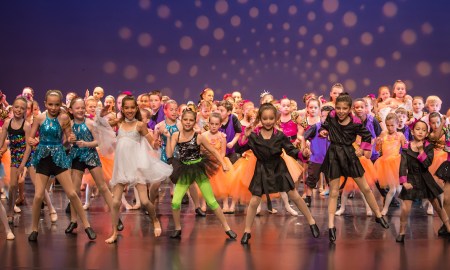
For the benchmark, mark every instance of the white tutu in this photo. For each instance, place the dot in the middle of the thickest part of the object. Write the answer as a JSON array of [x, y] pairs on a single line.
[[136, 162], [105, 134]]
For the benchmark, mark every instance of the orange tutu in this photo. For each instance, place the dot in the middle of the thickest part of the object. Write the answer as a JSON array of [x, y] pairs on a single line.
[[388, 165], [107, 166], [244, 168], [439, 157], [6, 161], [222, 182], [387, 169], [370, 175], [294, 168]]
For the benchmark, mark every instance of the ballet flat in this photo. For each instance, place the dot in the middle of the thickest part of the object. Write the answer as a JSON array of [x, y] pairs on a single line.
[[245, 237], [72, 226], [231, 234], [90, 233]]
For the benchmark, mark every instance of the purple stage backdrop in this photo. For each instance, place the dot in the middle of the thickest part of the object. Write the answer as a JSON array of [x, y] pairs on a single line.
[[180, 47]]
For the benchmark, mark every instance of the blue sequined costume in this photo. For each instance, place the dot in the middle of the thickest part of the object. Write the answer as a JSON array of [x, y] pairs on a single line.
[[50, 144], [86, 155], [172, 129]]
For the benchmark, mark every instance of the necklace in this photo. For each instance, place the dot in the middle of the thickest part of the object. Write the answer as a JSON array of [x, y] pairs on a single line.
[[130, 121]]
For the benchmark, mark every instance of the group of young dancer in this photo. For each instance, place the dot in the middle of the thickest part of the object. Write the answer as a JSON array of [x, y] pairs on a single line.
[[225, 151]]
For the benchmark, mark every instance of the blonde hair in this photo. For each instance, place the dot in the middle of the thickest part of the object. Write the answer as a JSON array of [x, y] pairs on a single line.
[[433, 99]]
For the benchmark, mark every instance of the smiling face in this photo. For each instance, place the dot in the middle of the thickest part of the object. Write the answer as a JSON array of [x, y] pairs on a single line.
[[109, 102], [188, 121], [342, 110], [129, 109], [268, 119], [19, 108], [78, 109]]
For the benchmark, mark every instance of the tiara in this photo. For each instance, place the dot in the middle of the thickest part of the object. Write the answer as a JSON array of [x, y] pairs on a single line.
[[264, 93]]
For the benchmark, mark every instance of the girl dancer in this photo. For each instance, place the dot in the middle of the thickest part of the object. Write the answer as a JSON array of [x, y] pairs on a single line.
[[17, 130], [342, 127], [135, 163], [193, 167], [50, 159], [294, 132], [443, 172], [271, 174], [221, 182], [84, 156], [416, 179], [387, 166]]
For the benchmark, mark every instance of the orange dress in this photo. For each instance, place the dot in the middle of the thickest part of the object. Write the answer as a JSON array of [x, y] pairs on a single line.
[[221, 182], [388, 165], [439, 157]]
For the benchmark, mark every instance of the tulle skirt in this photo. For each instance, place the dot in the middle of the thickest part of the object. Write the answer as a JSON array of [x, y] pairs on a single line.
[[294, 168], [138, 163], [388, 170], [244, 168], [222, 182], [440, 156], [370, 175]]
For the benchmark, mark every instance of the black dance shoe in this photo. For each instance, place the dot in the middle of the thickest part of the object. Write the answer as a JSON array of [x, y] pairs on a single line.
[[382, 222], [400, 238], [442, 232], [72, 226], [308, 201], [315, 230], [176, 234], [332, 234], [245, 238], [394, 203], [120, 225], [68, 208], [33, 236], [199, 212], [231, 234], [90, 233]]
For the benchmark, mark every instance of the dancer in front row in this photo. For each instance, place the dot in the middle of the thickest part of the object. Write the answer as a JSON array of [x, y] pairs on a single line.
[[135, 163], [192, 166], [342, 127], [271, 174], [50, 159], [84, 156], [417, 181]]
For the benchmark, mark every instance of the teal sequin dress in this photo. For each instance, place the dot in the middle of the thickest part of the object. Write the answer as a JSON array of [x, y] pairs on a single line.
[[172, 129], [86, 155], [50, 144]]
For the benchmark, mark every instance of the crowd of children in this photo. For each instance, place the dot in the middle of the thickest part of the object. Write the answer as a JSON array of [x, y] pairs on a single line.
[[227, 151]]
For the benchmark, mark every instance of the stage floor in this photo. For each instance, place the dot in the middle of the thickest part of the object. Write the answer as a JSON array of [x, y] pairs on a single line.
[[279, 241]]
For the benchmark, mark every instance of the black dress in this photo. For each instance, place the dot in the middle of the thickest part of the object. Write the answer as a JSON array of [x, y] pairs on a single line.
[[341, 159], [271, 173], [415, 169]]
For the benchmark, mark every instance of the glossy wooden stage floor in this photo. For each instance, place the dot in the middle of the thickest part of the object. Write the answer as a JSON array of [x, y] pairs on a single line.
[[279, 241]]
